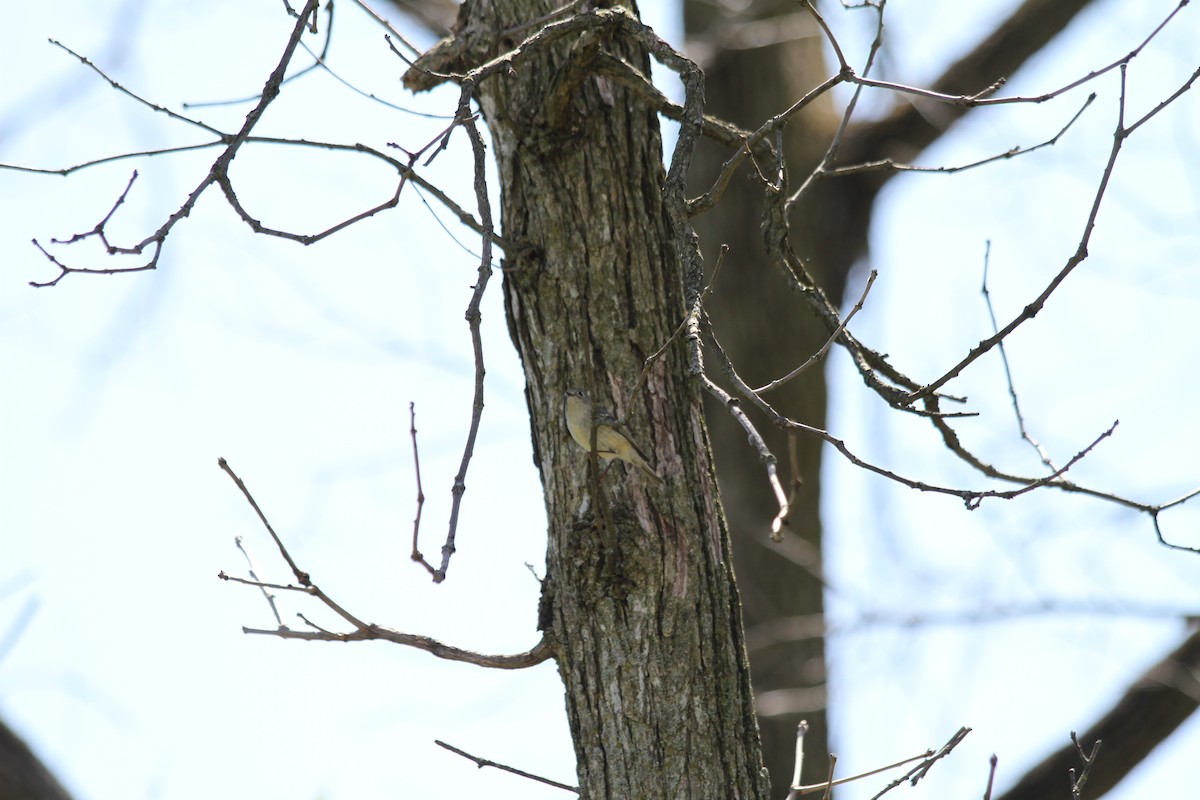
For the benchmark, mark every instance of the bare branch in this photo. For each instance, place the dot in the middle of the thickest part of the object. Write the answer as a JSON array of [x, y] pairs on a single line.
[[110, 159], [993, 761], [887, 164], [1029, 28], [369, 632], [364, 631], [97, 231], [1153, 510], [467, 120], [416, 552], [319, 61], [927, 758], [1120, 134], [1175, 95], [983, 97], [219, 171], [483, 762], [137, 98], [830, 157], [301, 576], [406, 172], [921, 770], [1088, 759], [218, 174], [801, 730], [817, 356], [970, 497], [769, 462], [768, 128]]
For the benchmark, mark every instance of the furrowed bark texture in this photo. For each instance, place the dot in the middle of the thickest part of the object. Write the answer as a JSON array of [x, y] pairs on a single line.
[[639, 594]]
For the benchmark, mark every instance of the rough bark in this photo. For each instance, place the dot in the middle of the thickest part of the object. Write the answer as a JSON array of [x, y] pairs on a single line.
[[639, 596]]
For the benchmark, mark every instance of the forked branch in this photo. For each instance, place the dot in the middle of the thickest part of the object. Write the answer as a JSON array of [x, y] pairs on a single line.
[[363, 631]]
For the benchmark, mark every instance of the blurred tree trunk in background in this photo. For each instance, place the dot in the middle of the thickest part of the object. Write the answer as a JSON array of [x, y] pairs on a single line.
[[759, 57], [767, 333]]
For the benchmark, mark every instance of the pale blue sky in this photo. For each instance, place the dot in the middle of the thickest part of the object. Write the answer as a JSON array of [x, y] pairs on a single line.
[[132, 678]]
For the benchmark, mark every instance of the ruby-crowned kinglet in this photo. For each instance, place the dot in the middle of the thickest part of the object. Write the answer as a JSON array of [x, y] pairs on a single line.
[[612, 441]]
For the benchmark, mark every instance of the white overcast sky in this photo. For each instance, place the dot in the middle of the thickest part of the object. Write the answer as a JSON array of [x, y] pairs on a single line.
[[123, 660]]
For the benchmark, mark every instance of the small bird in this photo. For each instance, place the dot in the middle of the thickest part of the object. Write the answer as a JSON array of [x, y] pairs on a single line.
[[612, 441]]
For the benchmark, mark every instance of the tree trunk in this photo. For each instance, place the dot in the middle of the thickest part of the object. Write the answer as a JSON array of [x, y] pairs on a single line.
[[639, 601], [639, 595], [22, 775], [747, 86]]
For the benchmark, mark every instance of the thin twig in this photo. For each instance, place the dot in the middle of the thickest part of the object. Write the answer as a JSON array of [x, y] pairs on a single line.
[[219, 172], [317, 60], [765, 456], [301, 576], [768, 128], [383, 22], [921, 770], [1012, 391], [320, 61], [826, 785], [152, 106], [984, 98], [1175, 95], [467, 120], [798, 760], [887, 164], [1120, 134], [483, 762], [828, 793], [1088, 759], [817, 356], [405, 170], [992, 762], [830, 156], [99, 232], [416, 552], [253, 572]]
